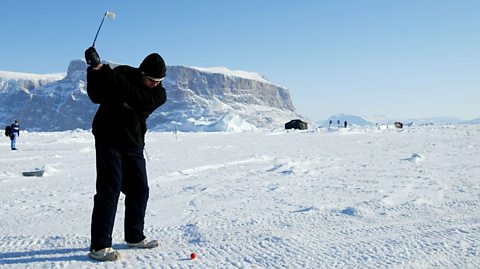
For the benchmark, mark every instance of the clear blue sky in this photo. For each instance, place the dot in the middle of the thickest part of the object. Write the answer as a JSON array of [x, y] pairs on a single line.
[[401, 59]]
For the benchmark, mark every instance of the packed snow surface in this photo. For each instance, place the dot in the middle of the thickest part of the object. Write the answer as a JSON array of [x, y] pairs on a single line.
[[337, 198]]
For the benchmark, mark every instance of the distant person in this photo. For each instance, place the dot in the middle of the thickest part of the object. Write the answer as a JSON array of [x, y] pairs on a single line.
[[345, 124], [127, 96], [14, 134]]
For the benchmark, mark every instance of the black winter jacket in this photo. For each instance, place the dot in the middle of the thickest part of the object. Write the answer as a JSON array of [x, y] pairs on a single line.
[[125, 104]]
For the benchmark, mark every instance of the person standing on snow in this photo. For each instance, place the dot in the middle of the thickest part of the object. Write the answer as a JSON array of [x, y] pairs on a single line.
[[127, 96], [14, 134]]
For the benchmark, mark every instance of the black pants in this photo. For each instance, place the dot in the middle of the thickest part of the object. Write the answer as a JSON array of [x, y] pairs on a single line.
[[118, 171]]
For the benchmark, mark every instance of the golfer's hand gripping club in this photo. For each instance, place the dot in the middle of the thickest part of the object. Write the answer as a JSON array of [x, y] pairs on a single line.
[[92, 58]]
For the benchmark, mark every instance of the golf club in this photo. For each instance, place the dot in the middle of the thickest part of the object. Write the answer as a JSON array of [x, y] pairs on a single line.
[[109, 14]]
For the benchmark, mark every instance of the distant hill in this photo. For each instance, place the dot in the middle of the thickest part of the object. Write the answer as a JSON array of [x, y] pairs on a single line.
[[434, 120], [374, 120], [474, 121], [341, 118]]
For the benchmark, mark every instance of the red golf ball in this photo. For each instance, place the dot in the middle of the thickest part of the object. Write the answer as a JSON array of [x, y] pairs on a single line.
[[193, 255]]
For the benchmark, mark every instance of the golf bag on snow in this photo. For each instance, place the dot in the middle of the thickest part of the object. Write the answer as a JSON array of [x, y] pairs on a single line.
[[9, 131]]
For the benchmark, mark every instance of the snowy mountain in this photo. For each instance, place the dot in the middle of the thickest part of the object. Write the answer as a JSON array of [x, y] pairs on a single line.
[[199, 99]]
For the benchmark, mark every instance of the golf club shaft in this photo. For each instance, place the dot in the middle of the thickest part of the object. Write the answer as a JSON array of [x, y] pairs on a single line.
[[101, 23]]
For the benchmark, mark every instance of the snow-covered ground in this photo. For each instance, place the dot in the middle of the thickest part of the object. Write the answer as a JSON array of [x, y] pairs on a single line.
[[348, 198]]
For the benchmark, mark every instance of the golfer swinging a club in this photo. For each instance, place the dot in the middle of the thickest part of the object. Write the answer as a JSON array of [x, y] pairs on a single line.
[[127, 96]]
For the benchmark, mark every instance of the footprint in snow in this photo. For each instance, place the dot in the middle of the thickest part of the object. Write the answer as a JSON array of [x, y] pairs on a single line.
[[350, 211], [303, 210], [415, 158]]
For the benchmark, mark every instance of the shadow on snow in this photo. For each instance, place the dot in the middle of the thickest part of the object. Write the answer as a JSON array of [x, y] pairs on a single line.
[[48, 255]]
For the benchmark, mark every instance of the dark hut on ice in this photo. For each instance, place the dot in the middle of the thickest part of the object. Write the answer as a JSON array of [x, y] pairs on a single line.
[[296, 124]]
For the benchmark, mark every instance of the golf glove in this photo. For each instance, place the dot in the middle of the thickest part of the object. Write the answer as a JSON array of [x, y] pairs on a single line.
[[92, 58]]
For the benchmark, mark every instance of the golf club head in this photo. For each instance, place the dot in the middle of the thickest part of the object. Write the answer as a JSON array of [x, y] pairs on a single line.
[[110, 14]]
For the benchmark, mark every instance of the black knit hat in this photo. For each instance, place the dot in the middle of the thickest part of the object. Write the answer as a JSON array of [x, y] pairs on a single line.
[[153, 66]]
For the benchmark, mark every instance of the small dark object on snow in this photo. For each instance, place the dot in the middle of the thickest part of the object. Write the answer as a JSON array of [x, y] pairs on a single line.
[[296, 124], [399, 125], [35, 173], [8, 130]]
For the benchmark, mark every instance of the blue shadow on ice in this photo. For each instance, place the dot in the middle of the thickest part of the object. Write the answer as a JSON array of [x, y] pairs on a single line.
[[307, 209], [48, 255]]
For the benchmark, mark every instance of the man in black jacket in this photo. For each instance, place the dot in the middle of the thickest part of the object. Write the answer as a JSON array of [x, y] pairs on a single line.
[[127, 96]]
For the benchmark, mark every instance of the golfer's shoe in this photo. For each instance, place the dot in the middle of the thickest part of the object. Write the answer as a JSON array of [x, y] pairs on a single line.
[[145, 243], [105, 254]]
